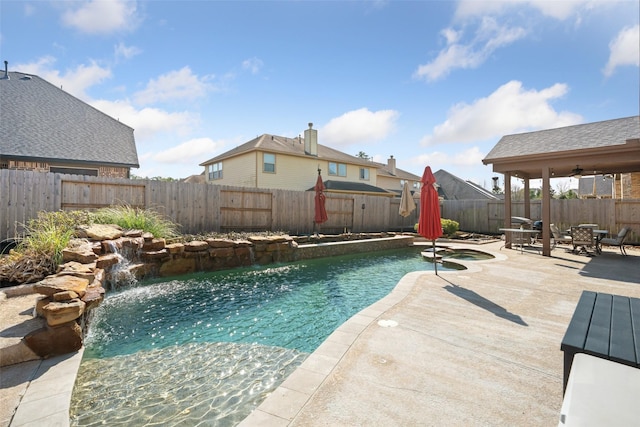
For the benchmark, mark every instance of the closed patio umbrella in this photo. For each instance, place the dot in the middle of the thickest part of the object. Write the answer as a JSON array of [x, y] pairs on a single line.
[[407, 205], [429, 225], [320, 210]]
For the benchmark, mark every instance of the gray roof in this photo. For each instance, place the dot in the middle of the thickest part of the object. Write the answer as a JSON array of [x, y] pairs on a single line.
[[603, 186], [384, 170], [450, 187], [41, 122], [291, 146], [579, 137], [352, 187]]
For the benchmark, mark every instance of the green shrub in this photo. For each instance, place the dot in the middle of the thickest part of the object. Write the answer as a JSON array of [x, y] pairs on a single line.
[[449, 226], [49, 233]]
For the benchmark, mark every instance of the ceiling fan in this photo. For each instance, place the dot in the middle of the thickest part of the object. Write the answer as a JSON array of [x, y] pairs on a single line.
[[577, 172]]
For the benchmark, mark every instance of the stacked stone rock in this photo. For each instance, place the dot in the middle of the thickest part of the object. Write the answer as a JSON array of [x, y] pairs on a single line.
[[89, 261]]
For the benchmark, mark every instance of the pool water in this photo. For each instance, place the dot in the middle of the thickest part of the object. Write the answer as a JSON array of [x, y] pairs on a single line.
[[206, 349]]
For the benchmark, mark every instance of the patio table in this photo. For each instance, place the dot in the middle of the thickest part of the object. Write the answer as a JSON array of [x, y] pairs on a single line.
[[523, 232]]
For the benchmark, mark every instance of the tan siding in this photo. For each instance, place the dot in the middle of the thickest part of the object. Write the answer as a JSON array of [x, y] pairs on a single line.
[[292, 173], [238, 171]]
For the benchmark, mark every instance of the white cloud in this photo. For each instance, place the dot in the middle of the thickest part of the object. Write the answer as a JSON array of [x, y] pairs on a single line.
[[624, 50], [510, 109], [181, 84], [469, 157], [252, 64], [488, 37], [75, 81], [126, 52], [192, 152], [102, 17], [560, 10], [358, 126], [148, 122]]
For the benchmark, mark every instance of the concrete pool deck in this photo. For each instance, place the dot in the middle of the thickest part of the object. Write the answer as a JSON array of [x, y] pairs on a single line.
[[478, 346], [473, 347]]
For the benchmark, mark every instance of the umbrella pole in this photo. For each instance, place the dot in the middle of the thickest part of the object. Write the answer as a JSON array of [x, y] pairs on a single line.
[[435, 257]]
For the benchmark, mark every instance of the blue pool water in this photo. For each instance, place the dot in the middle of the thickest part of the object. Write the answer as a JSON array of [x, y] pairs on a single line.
[[206, 349]]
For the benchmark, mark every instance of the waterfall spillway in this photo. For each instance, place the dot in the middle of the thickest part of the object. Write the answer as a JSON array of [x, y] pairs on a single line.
[[120, 273]]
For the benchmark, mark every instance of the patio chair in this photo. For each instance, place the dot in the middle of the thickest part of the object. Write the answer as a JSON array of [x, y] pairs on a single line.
[[558, 236], [582, 238], [618, 240]]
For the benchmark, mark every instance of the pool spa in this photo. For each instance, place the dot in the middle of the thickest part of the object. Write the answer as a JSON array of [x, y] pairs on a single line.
[[206, 349]]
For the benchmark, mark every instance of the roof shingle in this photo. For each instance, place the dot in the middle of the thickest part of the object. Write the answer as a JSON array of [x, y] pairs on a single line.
[[39, 121]]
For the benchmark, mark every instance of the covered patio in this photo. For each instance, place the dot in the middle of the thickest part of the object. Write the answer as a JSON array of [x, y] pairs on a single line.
[[607, 147]]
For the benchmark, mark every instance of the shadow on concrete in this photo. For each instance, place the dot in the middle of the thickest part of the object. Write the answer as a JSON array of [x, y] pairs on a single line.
[[613, 266], [483, 303]]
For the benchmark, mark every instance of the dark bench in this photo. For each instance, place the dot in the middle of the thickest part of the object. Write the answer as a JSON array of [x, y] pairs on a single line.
[[606, 326]]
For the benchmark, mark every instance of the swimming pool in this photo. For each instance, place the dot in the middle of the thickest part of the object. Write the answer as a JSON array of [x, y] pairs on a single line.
[[208, 348]]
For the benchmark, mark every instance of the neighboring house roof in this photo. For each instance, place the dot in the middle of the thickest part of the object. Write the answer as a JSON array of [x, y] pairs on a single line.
[[353, 187], [291, 146], [603, 186], [450, 187], [384, 170], [41, 122], [196, 179]]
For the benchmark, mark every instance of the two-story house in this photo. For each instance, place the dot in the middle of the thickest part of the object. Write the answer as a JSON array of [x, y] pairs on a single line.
[[43, 128], [271, 161]]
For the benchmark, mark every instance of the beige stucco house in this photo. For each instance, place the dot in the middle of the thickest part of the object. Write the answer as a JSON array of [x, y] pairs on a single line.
[[271, 161]]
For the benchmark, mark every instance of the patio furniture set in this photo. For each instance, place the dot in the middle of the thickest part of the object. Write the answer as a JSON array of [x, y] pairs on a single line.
[[583, 238]]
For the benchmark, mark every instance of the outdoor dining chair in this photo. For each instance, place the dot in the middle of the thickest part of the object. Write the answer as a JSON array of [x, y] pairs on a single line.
[[558, 236], [618, 240], [582, 238]]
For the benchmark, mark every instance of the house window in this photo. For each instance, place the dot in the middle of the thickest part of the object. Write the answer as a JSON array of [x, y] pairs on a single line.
[[339, 169], [269, 162], [215, 171], [364, 174]]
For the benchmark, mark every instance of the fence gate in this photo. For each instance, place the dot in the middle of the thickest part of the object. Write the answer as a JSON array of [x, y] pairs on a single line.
[[77, 195], [245, 210]]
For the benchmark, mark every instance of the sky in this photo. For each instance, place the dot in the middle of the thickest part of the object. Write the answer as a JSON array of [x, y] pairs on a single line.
[[433, 83]]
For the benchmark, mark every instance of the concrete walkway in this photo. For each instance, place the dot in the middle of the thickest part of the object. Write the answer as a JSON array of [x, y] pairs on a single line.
[[475, 347]]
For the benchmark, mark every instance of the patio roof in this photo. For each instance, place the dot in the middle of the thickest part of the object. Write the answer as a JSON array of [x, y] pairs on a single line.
[[611, 146]]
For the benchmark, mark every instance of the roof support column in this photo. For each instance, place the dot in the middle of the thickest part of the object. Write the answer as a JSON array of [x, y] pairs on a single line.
[[546, 212], [527, 198], [507, 208]]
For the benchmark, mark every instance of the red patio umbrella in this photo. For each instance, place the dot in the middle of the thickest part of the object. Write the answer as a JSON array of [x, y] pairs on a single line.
[[320, 211], [429, 225]]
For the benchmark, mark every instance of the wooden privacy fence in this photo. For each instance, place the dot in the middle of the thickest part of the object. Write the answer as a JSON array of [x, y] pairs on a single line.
[[198, 208], [201, 208], [484, 216]]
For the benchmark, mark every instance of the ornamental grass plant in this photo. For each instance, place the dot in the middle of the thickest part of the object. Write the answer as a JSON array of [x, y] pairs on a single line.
[[39, 250]]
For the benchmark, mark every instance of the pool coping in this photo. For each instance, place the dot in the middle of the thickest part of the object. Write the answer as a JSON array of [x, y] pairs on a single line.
[[47, 399]]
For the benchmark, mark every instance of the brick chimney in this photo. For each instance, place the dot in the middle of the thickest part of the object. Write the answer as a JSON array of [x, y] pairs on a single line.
[[391, 164], [311, 141]]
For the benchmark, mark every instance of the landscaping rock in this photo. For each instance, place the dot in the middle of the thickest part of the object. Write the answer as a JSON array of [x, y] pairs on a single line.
[[83, 254], [106, 261], [53, 284], [196, 246], [57, 313], [53, 341], [99, 232]]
